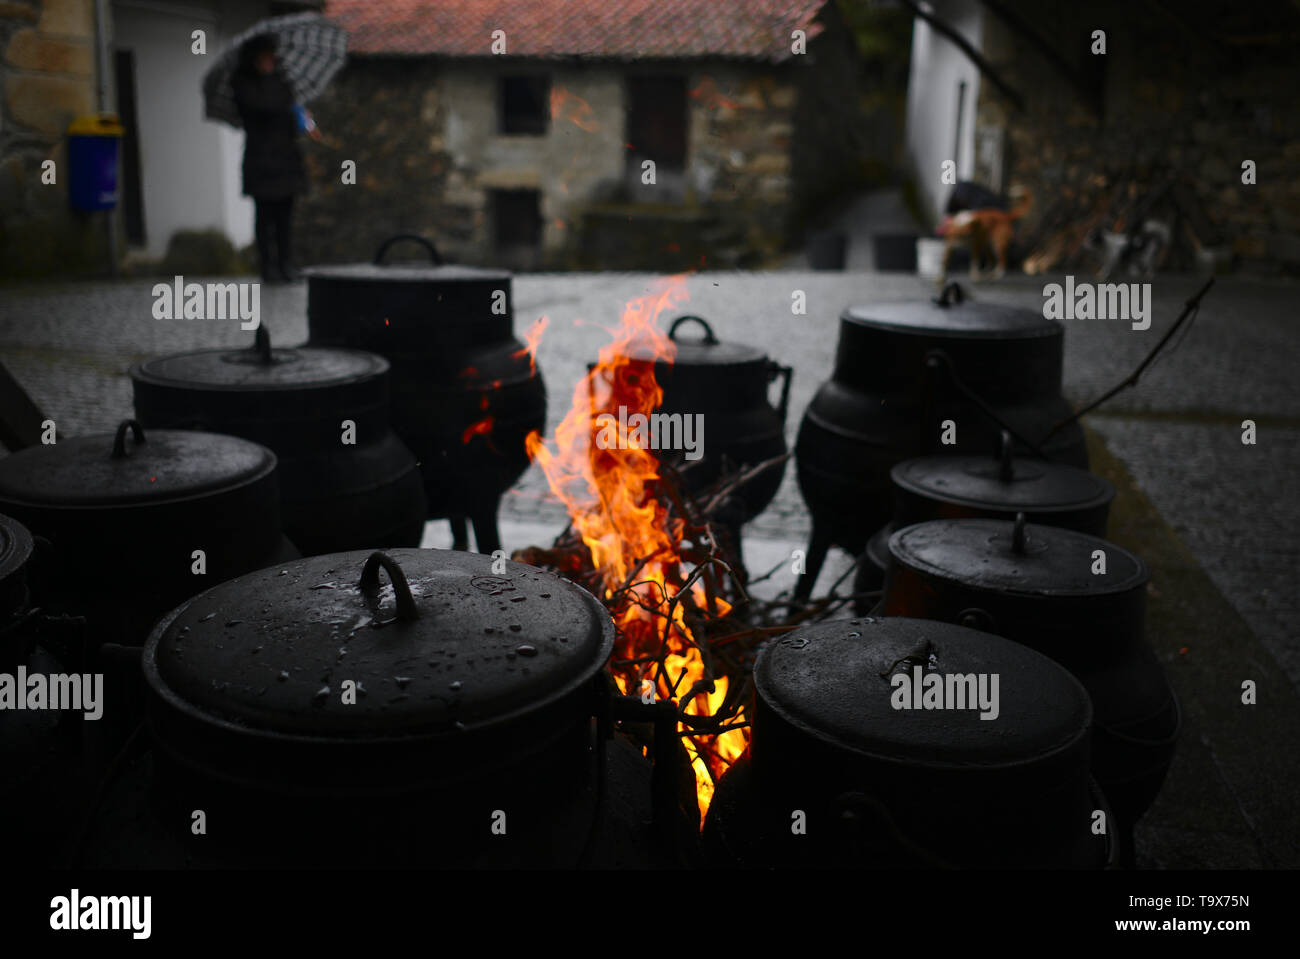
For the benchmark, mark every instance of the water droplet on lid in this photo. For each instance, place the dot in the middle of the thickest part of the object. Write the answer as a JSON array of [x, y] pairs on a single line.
[[454, 687], [515, 627], [233, 622], [517, 599], [402, 681], [208, 617], [526, 650], [545, 595], [855, 635], [458, 726], [488, 629], [322, 694]]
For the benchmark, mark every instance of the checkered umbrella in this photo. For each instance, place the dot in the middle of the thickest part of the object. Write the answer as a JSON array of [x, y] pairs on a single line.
[[309, 48]]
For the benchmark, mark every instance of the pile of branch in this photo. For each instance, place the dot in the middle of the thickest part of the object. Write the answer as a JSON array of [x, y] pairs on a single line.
[[728, 641]]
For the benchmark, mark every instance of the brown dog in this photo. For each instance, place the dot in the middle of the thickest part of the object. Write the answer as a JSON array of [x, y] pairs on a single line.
[[985, 230]]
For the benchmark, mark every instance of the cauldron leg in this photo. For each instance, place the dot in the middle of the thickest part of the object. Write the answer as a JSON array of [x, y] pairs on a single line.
[[459, 533], [818, 547], [486, 537]]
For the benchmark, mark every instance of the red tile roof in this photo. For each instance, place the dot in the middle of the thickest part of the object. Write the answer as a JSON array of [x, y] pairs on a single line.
[[617, 29]]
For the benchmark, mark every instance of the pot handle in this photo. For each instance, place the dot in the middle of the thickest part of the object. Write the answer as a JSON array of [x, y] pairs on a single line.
[[952, 293], [1018, 535], [119, 441], [1007, 448], [785, 372], [401, 589], [414, 238], [262, 344], [709, 338]]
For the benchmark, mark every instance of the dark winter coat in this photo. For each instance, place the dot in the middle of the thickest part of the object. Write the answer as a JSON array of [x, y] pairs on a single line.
[[273, 164]]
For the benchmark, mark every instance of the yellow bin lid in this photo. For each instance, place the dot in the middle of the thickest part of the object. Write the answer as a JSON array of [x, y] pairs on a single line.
[[96, 125]]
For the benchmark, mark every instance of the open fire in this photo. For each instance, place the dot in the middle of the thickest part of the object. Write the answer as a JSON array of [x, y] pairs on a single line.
[[638, 548]]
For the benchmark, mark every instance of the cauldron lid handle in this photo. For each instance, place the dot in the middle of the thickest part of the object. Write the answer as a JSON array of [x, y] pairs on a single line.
[[401, 589], [952, 293], [709, 338], [1006, 450], [1018, 535], [119, 441], [262, 343], [414, 238]]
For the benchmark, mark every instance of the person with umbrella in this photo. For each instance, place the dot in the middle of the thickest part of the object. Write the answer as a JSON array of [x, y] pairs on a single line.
[[273, 163]]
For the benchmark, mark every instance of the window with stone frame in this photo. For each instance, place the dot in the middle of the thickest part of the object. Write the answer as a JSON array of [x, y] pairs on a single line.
[[524, 104]]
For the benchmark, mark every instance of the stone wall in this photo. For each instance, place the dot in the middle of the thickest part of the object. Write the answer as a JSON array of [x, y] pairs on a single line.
[[1169, 95], [424, 137], [47, 67], [382, 115]]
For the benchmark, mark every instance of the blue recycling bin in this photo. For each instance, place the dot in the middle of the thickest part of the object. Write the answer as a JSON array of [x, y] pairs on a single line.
[[93, 151]]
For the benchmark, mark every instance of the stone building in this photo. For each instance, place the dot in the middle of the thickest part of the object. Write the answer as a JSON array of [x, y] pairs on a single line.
[[1182, 95], [616, 134]]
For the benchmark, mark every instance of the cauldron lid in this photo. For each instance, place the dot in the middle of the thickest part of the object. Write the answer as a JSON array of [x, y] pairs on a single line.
[[705, 351], [256, 370], [977, 481], [405, 273], [15, 548], [833, 681], [154, 467], [981, 553], [967, 319], [464, 649]]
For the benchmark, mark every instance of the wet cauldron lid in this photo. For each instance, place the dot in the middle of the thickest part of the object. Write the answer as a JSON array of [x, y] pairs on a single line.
[[378, 271], [404, 273], [834, 682], [955, 316], [260, 368], [435, 642], [992, 554], [153, 467], [980, 481], [703, 352]]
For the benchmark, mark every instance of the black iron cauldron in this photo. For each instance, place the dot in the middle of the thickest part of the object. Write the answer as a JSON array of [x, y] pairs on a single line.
[[137, 527], [15, 597], [1045, 588], [465, 392], [40, 782], [968, 487], [346, 480], [901, 371], [321, 717], [839, 774], [726, 385]]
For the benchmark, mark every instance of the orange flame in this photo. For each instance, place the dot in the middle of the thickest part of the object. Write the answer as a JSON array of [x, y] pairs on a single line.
[[482, 427], [609, 494], [575, 109], [533, 339]]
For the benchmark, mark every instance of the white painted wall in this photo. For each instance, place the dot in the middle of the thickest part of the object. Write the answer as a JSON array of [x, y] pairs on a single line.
[[189, 166], [937, 69]]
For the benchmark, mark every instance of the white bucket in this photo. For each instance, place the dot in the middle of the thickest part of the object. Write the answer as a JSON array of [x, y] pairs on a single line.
[[929, 256]]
